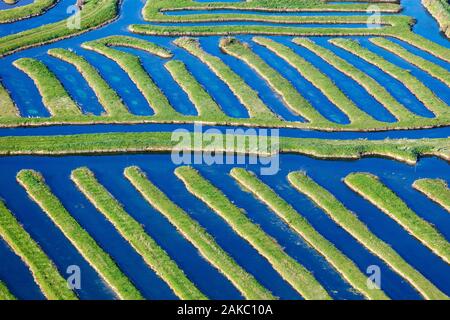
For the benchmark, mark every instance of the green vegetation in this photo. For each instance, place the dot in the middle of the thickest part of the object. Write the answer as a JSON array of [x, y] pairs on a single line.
[[37, 189], [368, 83], [107, 97], [422, 92], [246, 95], [291, 97], [294, 273], [201, 99], [350, 222], [7, 106], [44, 272], [435, 189], [373, 190], [54, 95], [440, 10], [433, 69], [199, 237], [135, 234], [319, 80], [35, 8], [5, 294], [347, 268], [131, 64]]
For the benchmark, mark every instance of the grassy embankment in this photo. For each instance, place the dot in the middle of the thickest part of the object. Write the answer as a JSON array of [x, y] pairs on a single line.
[[131, 64], [422, 92], [134, 233], [319, 80], [433, 69], [435, 189], [54, 95], [8, 108], [35, 8], [5, 294], [440, 10], [44, 272], [371, 85], [289, 269], [203, 102], [350, 222], [291, 97], [344, 266], [373, 190], [95, 13], [118, 143], [190, 229], [246, 95], [37, 189], [107, 97]]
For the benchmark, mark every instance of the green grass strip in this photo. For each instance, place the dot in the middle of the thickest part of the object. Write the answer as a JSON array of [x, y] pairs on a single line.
[[433, 69], [37, 189], [35, 8], [54, 95], [440, 10], [107, 97], [289, 269], [249, 287], [291, 97], [422, 92], [372, 189], [435, 189], [131, 64], [344, 266], [371, 85], [7, 106], [5, 294], [317, 79], [203, 102], [44, 272], [135, 234], [424, 44], [246, 95], [350, 222]]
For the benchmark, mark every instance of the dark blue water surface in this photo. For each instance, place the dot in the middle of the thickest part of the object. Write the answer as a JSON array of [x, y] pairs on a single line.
[[4, 5]]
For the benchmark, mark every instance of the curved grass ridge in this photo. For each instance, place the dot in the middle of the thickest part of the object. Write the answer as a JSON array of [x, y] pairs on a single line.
[[422, 92], [440, 10], [343, 265], [358, 230], [44, 272], [35, 8], [246, 95], [433, 69], [436, 190], [34, 184], [398, 110], [131, 64], [291, 97], [54, 95], [372, 189], [5, 294], [319, 80], [7, 105], [249, 287], [203, 102], [107, 97], [289, 269], [135, 234]]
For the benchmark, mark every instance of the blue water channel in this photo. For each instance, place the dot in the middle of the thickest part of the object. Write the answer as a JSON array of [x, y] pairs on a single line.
[[20, 3]]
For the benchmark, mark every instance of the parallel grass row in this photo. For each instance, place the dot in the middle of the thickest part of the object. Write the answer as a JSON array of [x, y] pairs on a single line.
[[435, 189], [5, 294], [7, 105], [372, 189], [291, 97], [289, 269], [134, 233], [198, 236], [44, 272], [37, 189], [107, 97], [350, 222], [368, 83], [422, 92], [319, 80], [344, 266], [54, 95], [35, 8]]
